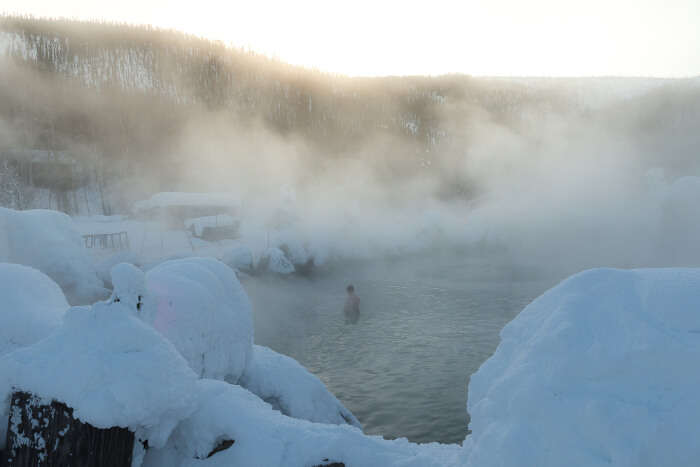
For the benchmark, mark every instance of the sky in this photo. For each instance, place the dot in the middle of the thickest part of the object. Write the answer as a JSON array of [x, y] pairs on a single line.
[[374, 37]]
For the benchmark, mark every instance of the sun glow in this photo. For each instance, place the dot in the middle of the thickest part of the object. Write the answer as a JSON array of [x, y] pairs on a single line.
[[499, 37]]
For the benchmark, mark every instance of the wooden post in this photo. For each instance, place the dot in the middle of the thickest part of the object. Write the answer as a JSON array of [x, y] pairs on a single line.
[[46, 434]]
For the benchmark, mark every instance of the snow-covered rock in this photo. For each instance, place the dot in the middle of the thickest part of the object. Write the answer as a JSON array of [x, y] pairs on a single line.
[[104, 267], [31, 306], [49, 242], [599, 370], [110, 367], [274, 260], [266, 438], [200, 306], [239, 257], [289, 387]]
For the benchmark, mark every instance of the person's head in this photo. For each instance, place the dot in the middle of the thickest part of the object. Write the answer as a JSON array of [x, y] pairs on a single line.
[[350, 288]]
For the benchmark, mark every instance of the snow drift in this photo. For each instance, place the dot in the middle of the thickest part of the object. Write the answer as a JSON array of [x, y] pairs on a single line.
[[32, 306], [48, 241], [600, 370], [266, 438], [199, 305], [290, 388]]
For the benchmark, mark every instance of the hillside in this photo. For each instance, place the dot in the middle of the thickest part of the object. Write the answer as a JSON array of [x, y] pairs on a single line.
[[136, 103]]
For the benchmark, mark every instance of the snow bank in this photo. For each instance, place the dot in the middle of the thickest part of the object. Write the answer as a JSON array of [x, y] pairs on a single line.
[[289, 387], [199, 305], [110, 367], [600, 370], [48, 241], [32, 305], [265, 438]]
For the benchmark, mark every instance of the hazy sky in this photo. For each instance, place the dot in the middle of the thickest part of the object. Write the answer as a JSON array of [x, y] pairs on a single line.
[[376, 37]]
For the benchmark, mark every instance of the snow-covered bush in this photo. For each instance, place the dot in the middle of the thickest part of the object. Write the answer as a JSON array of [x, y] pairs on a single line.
[[200, 306], [110, 367], [274, 260], [48, 241], [600, 370], [32, 305], [289, 387]]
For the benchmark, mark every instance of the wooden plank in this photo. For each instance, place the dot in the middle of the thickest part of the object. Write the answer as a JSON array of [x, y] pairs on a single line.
[[41, 434]]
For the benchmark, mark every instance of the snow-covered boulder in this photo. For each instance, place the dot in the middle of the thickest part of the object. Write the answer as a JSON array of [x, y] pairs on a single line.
[[31, 306], [239, 257], [288, 387], [104, 267], [600, 370], [110, 367], [266, 438], [200, 306], [49, 242], [274, 260]]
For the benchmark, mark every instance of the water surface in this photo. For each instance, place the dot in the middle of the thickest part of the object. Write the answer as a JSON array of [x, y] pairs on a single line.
[[426, 324]]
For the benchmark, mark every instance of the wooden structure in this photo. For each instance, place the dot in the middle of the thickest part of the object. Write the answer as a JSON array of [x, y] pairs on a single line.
[[41, 434], [114, 241]]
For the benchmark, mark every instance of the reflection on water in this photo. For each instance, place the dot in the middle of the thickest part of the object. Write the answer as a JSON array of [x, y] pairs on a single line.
[[425, 326]]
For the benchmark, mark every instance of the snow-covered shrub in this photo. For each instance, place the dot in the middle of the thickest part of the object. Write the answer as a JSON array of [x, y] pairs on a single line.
[[274, 260], [200, 306], [600, 370], [31, 306], [48, 241], [289, 387]]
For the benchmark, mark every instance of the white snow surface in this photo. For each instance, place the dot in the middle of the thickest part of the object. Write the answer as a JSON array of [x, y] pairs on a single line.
[[49, 242], [266, 438], [200, 306], [599, 370], [110, 367], [33, 305], [289, 387]]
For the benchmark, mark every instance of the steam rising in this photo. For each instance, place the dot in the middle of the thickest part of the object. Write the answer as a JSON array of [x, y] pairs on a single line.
[[559, 173]]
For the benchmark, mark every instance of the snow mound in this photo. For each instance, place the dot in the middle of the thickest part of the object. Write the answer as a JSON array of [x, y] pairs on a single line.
[[200, 306], [104, 267], [266, 438], [32, 306], [239, 257], [597, 371], [129, 286], [110, 367], [48, 241], [290, 388], [274, 260]]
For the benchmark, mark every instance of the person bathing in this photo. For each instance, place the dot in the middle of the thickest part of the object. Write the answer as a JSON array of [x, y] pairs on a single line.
[[352, 306]]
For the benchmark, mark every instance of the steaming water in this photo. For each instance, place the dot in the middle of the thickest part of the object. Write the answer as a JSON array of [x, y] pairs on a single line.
[[425, 326]]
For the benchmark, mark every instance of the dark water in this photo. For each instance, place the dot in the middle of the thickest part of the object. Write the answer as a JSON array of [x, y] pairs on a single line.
[[426, 324]]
